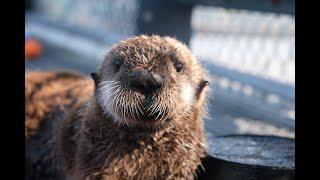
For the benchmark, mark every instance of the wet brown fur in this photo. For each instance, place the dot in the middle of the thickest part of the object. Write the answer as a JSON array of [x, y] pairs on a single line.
[[48, 98], [46, 91], [92, 146]]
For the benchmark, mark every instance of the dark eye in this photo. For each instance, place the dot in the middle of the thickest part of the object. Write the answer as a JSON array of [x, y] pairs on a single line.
[[179, 67], [117, 62]]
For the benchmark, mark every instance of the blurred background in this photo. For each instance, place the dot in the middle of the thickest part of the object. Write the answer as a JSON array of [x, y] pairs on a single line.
[[247, 46]]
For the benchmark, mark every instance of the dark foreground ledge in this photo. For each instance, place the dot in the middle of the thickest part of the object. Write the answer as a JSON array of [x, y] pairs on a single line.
[[249, 157]]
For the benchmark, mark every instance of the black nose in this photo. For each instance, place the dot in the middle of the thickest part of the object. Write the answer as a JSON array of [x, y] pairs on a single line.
[[143, 82]]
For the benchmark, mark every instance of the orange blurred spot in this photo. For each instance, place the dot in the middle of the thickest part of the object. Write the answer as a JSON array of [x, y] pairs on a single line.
[[33, 49]]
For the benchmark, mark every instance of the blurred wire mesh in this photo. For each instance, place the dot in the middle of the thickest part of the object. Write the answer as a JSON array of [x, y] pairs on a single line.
[[249, 54]]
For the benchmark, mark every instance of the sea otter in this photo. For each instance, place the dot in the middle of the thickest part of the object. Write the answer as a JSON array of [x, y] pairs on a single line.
[[140, 118]]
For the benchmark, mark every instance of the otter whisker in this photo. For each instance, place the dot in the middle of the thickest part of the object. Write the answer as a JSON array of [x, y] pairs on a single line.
[[126, 108], [152, 107], [131, 105], [160, 110], [137, 107], [165, 111], [164, 114], [155, 110], [159, 114], [109, 82], [103, 96], [155, 106], [123, 108], [107, 92], [106, 88], [111, 102], [118, 100]]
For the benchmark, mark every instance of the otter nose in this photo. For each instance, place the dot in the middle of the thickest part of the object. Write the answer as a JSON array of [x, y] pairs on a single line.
[[143, 82]]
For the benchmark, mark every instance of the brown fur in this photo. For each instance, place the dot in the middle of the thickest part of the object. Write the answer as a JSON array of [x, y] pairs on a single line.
[[92, 145], [45, 91], [48, 98]]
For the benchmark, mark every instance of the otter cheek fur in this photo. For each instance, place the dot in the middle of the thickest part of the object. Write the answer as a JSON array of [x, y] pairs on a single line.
[[145, 119]]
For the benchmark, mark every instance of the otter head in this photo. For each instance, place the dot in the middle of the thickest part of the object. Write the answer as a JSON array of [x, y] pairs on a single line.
[[148, 81]]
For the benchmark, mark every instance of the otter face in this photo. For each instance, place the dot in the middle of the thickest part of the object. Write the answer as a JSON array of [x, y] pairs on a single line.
[[148, 80]]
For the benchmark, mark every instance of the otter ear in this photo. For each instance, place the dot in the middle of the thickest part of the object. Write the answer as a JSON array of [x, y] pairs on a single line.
[[204, 83], [95, 78], [201, 86]]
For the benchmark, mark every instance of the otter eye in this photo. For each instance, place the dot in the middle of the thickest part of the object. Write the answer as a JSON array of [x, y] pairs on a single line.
[[117, 62], [179, 67]]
